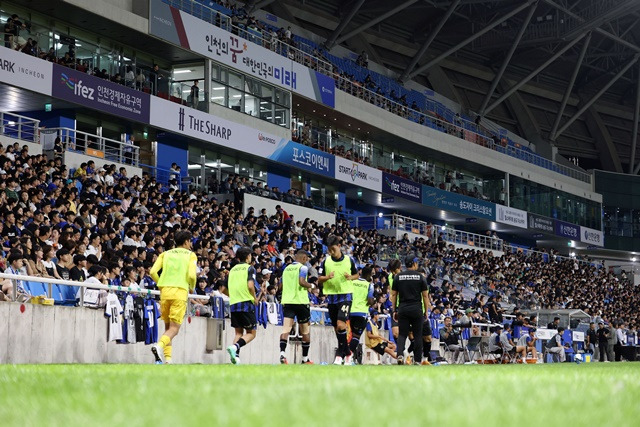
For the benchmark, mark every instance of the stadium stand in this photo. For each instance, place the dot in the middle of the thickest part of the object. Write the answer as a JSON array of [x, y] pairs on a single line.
[[47, 210], [56, 222]]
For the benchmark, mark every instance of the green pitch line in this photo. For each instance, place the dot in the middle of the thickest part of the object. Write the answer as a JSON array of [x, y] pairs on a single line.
[[219, 395]]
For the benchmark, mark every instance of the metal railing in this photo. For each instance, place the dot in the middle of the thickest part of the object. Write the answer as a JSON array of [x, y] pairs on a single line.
[[161, 175], [308, 56], [549, 257], [88, 59], [430, 231], [82, 285], [19, 127], [50, 282], [98, 146], [449, 234], [479, 241]]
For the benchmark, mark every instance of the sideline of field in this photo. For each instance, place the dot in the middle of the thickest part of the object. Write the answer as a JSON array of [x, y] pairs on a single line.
[[175, 395]]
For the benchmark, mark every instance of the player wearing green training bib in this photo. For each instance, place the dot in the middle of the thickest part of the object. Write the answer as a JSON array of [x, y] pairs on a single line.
[[394, 267], [338, 270], [295, 304], [362, 300]]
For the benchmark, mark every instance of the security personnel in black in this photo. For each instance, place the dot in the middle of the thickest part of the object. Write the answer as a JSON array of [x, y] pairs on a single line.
[[410, 294]]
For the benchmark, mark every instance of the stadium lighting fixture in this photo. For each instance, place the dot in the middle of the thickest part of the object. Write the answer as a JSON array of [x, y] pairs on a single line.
[[183, 71], [634, 259]]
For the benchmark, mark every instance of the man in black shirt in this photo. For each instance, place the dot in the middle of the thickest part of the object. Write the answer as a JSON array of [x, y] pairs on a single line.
[[603, 338], [410, 294], [591, 343], [76, 273], [555, 324]]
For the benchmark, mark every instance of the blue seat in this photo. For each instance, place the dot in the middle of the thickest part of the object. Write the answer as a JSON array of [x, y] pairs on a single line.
[[37, 288], [69, 292], [56, 294]]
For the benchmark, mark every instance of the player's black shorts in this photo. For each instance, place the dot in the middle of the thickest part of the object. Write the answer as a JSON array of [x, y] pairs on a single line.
[[426, 328], [380, 347], [358, 323], [243, 319], [301, 312], [339, 311]]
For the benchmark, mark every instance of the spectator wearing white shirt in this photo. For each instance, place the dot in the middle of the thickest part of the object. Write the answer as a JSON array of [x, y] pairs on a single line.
[[109, 180], [94, 247], [621, 340], [128, 150]]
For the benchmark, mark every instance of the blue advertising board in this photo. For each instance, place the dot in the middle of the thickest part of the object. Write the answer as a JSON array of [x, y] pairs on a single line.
[[305, 158], [401, 187], [101, 94], [454, 202], [565, 229]]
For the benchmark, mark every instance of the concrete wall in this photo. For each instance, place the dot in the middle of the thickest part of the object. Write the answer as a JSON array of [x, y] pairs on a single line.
[[465, 150], [55, 334], [73, 160], [120, 11], [299, 213]]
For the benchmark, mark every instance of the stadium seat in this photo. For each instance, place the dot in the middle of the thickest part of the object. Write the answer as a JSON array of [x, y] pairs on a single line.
[[37, 288]]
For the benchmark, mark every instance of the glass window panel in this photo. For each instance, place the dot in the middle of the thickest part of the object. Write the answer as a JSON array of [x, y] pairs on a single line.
[[235, 99], [266, 91], [251, 105], [235, 80]]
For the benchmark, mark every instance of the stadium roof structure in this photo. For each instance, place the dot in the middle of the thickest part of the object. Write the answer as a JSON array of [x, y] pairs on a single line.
[[563, 74]]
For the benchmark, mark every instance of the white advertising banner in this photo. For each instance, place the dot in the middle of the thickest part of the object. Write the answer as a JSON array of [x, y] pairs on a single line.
[[244, 54], [511, 216], [358, 174], [197, 124], [545, 334], [25, 71], [204, 126], [591, 236]]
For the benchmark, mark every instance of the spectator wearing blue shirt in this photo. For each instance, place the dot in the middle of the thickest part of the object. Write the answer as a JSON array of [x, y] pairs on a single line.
[[528, 341]]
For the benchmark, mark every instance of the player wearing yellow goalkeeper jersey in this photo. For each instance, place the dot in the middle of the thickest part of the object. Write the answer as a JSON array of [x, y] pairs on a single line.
[[177, 277]]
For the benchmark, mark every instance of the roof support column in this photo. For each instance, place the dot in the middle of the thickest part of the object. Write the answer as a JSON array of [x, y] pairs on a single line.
[[405, 74], [468, 40], [567, 92], [598, 94], [507, 58], [534, 73], [331, 41], [375, 21]]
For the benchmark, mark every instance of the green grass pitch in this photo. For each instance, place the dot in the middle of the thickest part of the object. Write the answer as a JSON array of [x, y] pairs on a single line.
[[220, 395]]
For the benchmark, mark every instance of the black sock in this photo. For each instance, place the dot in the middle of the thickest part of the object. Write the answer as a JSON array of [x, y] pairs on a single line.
[[342, 343], [353, 345], [239, 345], [410, 349], [426, 350], [305, 348], [283, 344]]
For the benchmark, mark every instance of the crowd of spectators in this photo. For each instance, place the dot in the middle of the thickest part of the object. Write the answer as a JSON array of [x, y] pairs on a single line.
[[54, 224]]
